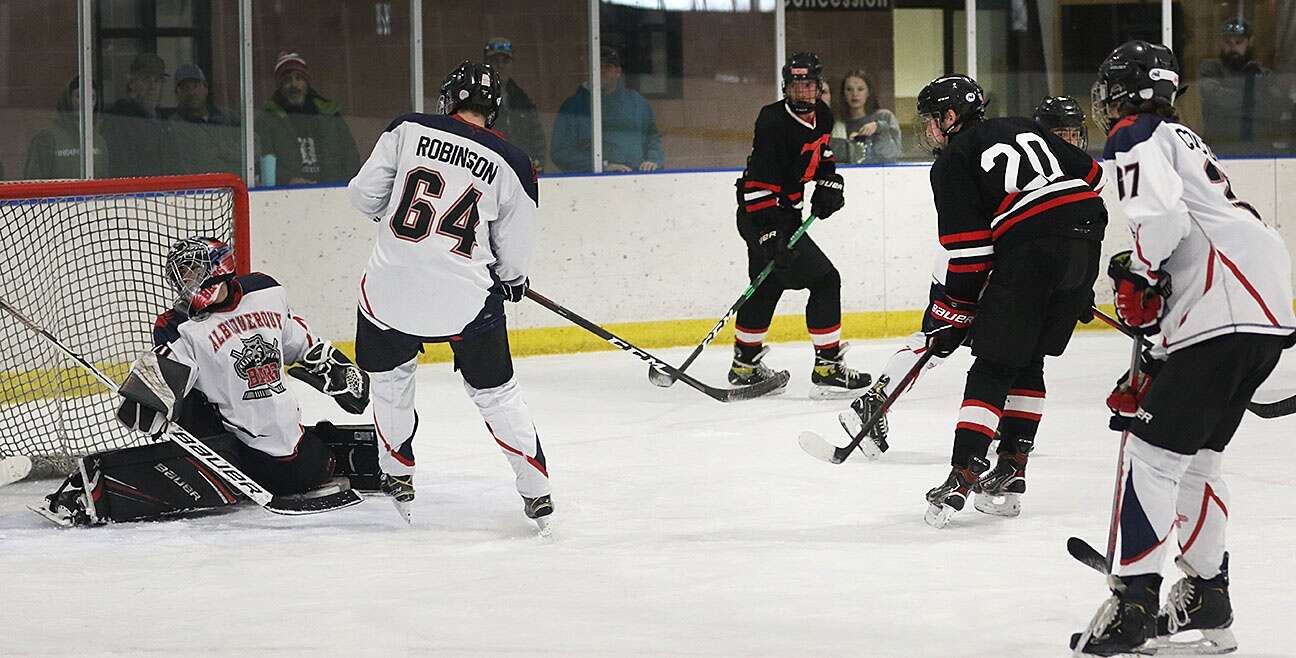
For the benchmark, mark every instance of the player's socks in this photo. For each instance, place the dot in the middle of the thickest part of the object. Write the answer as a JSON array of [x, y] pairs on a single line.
[[831, 378]]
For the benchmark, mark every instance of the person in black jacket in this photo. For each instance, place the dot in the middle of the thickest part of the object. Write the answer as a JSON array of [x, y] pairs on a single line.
[[790, 149], [518, 118], [1019, 214]]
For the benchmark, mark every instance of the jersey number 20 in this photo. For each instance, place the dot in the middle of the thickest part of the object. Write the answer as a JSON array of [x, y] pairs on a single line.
[[414, 218], [1046, 169]]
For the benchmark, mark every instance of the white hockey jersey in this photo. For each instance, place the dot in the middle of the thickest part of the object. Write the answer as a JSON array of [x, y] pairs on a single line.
[[456, 206], [1229, 272], [237, 356]]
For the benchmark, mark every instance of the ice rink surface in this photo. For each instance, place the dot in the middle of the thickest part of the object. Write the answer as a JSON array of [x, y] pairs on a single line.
[[683, 527]]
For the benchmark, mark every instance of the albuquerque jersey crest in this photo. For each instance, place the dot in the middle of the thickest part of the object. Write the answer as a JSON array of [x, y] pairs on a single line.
[[260, 365]]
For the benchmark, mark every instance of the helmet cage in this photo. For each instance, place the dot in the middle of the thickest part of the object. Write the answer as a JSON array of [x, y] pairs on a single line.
[[195, 269]]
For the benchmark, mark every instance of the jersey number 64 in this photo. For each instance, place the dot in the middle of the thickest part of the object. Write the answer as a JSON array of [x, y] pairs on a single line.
[[414, 218]]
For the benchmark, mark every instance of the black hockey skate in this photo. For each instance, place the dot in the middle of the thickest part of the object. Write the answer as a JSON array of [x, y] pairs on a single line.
[[861, 410], [401, 490], [948, 498], [1196, 604], [66, 507], [1000, 490], [538, 509], [745, 372], [832, 379], [1124, 622]]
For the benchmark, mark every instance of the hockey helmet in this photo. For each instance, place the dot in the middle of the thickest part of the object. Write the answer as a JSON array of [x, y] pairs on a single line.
[[1135, 72], [802, 66], [1062, 116], [195, 268], [472, 86], [952, 92]]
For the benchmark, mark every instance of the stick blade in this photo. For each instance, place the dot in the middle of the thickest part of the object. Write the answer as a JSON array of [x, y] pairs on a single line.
[[319, 505], [765, 387], [1273, 409], [1087, 555], [659, 378], [816, 446]]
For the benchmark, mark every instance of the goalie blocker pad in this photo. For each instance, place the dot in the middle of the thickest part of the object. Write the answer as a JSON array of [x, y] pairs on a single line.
[[159, 480]]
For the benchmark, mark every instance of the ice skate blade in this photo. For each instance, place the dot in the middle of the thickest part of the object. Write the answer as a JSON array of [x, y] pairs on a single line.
[[404, 509], [57, 519], [13, 469], [1213, 642], [938, 516], [1007, 505], [544, 529], [850, 422], [822, 392]]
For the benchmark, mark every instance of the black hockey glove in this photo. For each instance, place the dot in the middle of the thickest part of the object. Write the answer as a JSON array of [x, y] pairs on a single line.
[[513, 292], [829, 196], [951, 322], [331, 372]]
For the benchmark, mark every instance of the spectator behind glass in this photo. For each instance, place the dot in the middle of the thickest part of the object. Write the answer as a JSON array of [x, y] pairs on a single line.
[[138, 139], [825, 92], [305, 132], [863, 133], [205, 138], [630, 137], [1241, 102], [517, 118], [55, 152]]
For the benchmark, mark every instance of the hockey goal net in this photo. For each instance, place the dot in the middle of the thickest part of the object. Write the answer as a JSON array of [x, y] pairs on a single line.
[[85, 259]]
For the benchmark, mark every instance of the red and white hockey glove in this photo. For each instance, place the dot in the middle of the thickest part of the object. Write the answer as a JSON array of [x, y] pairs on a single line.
[[1125, 399], [1139, 302], [951, 322]]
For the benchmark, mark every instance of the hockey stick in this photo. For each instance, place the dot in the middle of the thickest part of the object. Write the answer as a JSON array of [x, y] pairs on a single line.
[[818, 448], [210, 458], [720, 394], [664, 380], [1278, 409]]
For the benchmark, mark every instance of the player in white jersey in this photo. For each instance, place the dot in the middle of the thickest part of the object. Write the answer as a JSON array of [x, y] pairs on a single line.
[[456, 205], [222, 351], [1212, 283]]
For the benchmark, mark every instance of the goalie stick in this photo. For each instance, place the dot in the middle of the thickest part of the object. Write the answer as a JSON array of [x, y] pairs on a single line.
[[816, 446], [1278, 409], [720, 394], [664, 380], [291, 506]]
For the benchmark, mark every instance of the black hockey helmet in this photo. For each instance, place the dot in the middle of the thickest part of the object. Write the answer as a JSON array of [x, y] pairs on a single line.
[[1135, 72], [472, 86], [194, 268], [955, 92], [1062, 116], [802, 66]]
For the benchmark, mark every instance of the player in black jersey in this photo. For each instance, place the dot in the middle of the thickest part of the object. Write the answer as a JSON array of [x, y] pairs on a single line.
[[789, 150], [1063, 117], [1018, 212]]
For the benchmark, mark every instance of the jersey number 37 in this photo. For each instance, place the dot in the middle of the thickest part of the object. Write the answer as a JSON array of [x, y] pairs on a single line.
[[415, 217]]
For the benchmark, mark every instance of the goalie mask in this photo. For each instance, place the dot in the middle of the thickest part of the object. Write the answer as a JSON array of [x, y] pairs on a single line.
[[952, 92], [472, 87], [196, 268], [1135, 72], [1062, 116]]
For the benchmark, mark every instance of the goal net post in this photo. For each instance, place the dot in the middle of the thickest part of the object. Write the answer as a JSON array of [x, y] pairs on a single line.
[[86, 260]]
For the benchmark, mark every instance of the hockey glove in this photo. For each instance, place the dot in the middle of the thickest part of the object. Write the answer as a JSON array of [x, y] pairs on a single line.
[[951, 322], [829, 196], [1139, 302], [331, 372], [513, 292]]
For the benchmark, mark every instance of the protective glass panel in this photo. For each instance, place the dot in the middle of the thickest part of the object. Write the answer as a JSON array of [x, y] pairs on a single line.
[[328, 77], [39, 101], [541, 50], [682, 83]]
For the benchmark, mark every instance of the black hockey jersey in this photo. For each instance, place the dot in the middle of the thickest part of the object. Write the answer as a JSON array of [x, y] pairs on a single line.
[[1001, 180], [787, 152]]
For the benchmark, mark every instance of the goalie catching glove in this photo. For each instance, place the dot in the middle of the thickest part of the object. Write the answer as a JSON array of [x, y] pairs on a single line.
[[331, 372], [150, 393]]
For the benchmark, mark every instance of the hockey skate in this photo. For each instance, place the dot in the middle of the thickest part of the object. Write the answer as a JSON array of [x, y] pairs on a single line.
[[744, 372], [401, 490], [861, 410], [832, 379], [999, 491], [1195, 604], [66, 507], [948, 498], [538, 509], [1124, 621]]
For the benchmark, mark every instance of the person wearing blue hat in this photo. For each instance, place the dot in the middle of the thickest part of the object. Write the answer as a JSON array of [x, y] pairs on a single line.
[[518, 118], [205, 138]]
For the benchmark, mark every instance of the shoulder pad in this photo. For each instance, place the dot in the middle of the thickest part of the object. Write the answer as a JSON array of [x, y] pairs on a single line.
[[1129, 132], [256, 281]]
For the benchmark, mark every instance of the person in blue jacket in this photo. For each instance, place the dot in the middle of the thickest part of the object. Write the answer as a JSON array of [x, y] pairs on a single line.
[[630, 138]]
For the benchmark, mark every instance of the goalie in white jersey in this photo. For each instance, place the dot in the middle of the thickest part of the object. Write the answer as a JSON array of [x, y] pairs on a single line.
[[456, 206], [1212, 284], [220, 357]]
